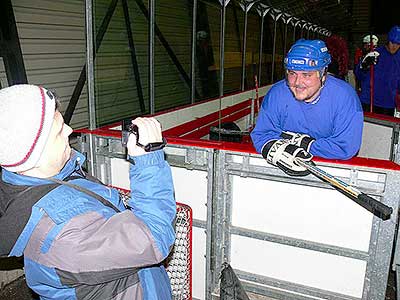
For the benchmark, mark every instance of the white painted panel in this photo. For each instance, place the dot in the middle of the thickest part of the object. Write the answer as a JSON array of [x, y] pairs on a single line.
[[309, 213], [315, 269], [376, 141], [190, 185], [199, 263], [120, 173], [191, 189]]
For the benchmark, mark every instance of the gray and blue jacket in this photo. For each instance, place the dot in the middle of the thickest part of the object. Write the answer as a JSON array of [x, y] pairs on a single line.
[[75, 247]]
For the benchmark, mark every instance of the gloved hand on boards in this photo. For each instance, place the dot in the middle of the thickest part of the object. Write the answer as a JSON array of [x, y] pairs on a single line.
[[300, 140], [283, 154]]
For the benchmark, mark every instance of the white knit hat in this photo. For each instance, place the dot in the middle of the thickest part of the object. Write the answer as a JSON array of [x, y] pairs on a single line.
[[26, 117]]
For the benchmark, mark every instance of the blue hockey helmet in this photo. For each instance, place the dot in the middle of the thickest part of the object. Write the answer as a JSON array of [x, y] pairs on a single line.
[[307, 55], [394, 35]]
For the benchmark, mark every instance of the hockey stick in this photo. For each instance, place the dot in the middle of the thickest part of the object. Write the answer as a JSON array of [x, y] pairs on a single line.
[[379, 209], [228, 131], [256, 86], [371, 78]]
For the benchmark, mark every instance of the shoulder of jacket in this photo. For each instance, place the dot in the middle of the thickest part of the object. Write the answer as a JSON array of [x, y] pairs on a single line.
[[64, 203]]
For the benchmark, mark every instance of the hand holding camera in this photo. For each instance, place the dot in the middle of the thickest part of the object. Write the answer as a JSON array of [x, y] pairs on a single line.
[[144, 135]]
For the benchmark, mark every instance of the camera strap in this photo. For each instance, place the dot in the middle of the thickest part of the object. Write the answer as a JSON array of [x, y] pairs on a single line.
[[87, 192]]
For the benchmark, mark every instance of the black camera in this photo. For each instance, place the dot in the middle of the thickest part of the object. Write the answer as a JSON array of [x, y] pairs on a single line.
[[129, 128]]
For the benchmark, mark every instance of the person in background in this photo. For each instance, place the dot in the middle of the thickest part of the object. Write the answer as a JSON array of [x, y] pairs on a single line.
[[366, 47], [337, 47], [386, 75], [308, 113], [78, 238], [361, 52]]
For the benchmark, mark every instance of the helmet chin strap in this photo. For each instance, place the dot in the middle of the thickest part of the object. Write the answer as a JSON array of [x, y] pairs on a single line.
[[322, 74]]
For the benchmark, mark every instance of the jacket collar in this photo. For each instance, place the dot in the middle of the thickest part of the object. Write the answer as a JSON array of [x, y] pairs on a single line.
[[74, 164]]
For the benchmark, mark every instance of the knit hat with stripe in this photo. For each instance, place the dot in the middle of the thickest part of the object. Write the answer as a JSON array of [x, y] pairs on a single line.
[[26, 117]]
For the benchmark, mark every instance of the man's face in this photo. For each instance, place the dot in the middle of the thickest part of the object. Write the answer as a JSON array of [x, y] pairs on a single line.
[[304, 85], [57, 150], [367, 46], [393, 48]]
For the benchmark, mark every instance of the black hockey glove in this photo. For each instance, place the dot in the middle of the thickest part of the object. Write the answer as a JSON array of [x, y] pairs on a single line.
[[370, 59], [300, 140], [282, 153]]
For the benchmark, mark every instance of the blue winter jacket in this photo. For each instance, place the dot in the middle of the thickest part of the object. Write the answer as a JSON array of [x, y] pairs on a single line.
[[334, 119], [386, 79], [75, 247]]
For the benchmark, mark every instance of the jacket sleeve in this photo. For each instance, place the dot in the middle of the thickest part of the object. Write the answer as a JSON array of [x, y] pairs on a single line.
[[268, 123], [345, 140], [360, 73], [152, 197]]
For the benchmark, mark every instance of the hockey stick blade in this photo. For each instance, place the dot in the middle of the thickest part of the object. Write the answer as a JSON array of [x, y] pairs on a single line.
[[379, 209]]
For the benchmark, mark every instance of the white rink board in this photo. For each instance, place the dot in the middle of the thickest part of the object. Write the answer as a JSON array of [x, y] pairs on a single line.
[[303, 212], [306, 267], [120, 173], [199, 263], [190, 185], [191, 189], [376, 141]]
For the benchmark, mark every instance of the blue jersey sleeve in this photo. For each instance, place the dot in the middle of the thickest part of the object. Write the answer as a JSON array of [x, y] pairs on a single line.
[[268, 123], [346, 135]]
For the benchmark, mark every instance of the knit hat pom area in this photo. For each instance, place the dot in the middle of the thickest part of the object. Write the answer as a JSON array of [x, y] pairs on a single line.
[[26, 116]]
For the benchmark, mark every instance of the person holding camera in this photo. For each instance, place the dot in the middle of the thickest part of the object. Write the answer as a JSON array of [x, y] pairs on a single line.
[[384, 80], [78, 238]]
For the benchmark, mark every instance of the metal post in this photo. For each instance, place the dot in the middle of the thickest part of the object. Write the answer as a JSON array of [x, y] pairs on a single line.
[[244, 51], [295, 23], [275, 16], [132, 51], [301, 31], [193, 64], [302, 28], [262, 11], [90, 82], [151, 4], [286, 19], [102, 28], [246, 6], [223, 3]]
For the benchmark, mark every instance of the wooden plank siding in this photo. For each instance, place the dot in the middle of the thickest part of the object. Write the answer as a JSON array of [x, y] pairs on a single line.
[[52, 38], [116, 91]]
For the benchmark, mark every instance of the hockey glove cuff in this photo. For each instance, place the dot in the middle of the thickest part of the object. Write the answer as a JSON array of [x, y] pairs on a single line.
[[300, 140], [282, 153]]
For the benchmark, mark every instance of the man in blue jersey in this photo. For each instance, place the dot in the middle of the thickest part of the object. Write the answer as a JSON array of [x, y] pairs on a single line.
[[79, 239], [309, 113], [386, 75]]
